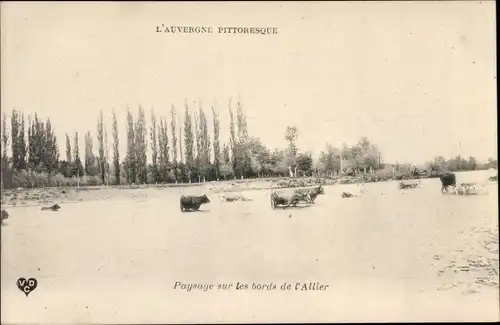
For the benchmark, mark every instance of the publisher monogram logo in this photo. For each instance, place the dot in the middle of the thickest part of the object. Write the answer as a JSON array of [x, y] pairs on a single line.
[[27, 286]]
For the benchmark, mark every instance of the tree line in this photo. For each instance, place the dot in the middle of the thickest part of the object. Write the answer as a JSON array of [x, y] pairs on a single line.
[[179, 153]]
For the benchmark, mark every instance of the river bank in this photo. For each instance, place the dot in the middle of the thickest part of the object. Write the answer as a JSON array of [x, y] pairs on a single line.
[[48, 195]]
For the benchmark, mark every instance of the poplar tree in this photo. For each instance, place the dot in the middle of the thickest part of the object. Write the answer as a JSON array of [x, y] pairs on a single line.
[[14, 129], [22, 144], [100, 140], [154, 147], [173, 128], [141, 147], [188, 141], [5, 160], [116, 152], [51, 152], [89, 156], [204, 138], [106, 154], [164, 148], [130, 160], [197, 141], [216, 143], [76, 154], [232, 137], [204, 141], [241, 155], [5, 139], [69, 161]]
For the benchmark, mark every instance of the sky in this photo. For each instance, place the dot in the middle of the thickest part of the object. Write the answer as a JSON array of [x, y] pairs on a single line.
[[417, 78]]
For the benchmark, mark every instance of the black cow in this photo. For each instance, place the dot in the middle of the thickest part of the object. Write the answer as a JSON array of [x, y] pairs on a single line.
[[447, 180], [5, 215], [55, 207], [193, 203]]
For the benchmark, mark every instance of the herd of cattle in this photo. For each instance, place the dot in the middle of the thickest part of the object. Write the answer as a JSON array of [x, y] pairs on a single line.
[[448, 186], [193, 203]]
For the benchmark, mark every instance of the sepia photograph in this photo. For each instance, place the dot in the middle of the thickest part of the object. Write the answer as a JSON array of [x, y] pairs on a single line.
[[249, 162]]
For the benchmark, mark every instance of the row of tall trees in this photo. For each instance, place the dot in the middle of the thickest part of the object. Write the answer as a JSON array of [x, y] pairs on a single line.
[[39, 153], [459, 163], [191, 151]]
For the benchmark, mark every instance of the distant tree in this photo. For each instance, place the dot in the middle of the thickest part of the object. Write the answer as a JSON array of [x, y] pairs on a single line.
[[76, 154], [259, 156], [226, 167], [18, 144], [173, 128], [91, 168], [22, 145], [36, 144], [232, 137], [492, 163], [279, 165], [188, 142], [5, 168], [204, 141], [197, 142], [51, 152], [106, 154], [181, 152], [14, 129], [5, 138], [69, 160], [154, 148], [242, 122], [116, 153], [242, 161], [141, 147], [130, 159], [164, 149], [305, 163], [472, 163], [329, 160], [291, 134], [216, 144], [100, 140]]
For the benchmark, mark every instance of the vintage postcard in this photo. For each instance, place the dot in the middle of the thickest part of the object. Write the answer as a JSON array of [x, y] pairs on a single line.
[[249, 162]]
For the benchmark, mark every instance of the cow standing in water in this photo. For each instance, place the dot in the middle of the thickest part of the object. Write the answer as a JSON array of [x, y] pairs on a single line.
[[5, 215], [313, 194], [55, 207], [193, 203], [447, 180], [304, 195]]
